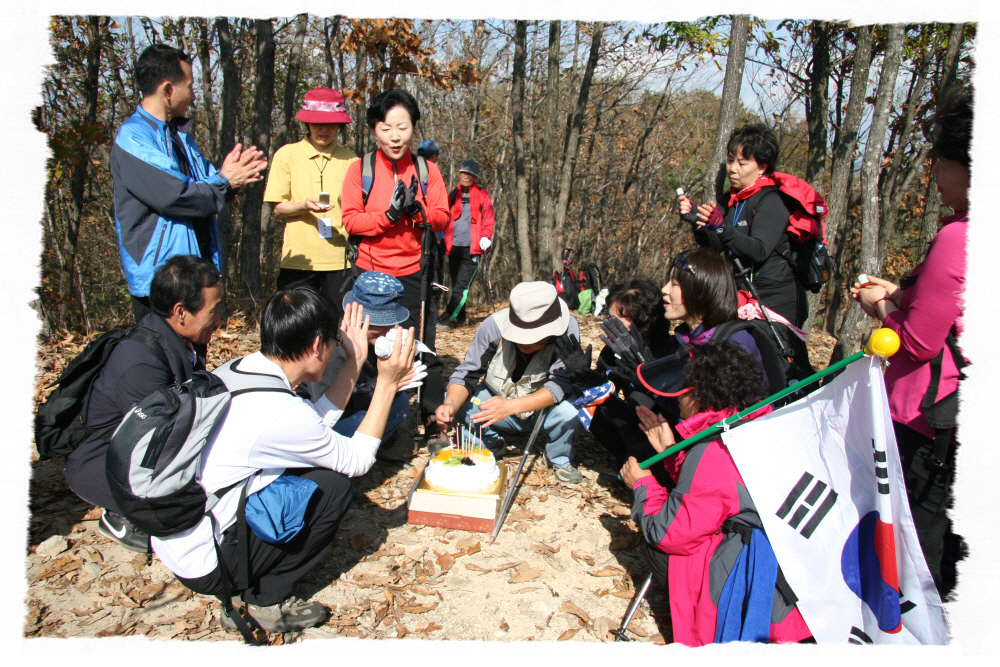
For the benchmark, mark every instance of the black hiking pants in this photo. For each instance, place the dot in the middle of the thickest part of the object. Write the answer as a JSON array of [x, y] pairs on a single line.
[[929, 491], [463, 267], [433, 390], [275, 568]]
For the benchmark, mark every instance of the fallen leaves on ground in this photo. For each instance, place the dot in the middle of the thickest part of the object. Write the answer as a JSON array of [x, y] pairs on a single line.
[[524, 573]]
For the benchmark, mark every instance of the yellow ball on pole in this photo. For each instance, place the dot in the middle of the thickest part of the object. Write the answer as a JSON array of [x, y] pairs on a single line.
[[882, 343]]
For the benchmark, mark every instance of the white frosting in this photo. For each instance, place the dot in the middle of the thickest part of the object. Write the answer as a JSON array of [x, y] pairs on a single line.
[[463, 477]]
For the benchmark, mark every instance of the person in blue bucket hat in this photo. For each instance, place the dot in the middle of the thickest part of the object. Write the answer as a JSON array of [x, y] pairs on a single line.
[[380, 295]]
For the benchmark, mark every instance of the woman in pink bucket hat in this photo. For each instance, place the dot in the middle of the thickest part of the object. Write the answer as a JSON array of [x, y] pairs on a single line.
[[304, 187]]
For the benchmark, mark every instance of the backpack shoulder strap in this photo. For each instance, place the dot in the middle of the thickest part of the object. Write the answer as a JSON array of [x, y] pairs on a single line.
[[240, 381], [367, 176], [421, 165], [147, 338], [453, 197]]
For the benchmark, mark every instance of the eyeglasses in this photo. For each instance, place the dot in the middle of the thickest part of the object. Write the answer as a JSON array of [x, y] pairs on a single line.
[[681, 264]]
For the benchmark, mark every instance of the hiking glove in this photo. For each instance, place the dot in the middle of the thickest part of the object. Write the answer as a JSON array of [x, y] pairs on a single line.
[[395, 211], [621, 341], [577, 362], [409, 204], [484, 244]]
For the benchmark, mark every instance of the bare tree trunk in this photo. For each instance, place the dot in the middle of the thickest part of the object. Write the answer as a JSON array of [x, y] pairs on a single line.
[[573, 141], [260, 134], [517, 112], [730, 102], [548, 248], [931, 219], [207, 103], [360, 70], [816, 113], [856, 322], [843, 165], [285, 133], [819, 101], [231, 86], [950, 60]]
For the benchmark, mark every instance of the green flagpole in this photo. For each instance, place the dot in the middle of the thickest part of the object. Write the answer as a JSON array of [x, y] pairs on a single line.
[[718, 427]]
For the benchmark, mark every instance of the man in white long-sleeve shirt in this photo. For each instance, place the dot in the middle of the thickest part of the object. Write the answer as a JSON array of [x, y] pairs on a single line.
[[283, 434]]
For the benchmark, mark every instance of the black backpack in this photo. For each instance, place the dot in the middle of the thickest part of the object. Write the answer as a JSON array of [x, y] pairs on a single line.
[[782, 369], [592, 275], [61, 421], [568, 286]]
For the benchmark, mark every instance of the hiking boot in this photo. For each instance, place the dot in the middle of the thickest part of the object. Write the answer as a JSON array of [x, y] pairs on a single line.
[[289, 616], [443, 327], [118, 528], [569, 475]]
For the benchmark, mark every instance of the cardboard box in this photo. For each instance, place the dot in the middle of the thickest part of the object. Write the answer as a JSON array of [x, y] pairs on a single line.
[[478, 512]]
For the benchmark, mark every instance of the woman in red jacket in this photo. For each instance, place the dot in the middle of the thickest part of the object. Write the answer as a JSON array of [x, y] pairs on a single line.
[[926, 312], [390, 220]]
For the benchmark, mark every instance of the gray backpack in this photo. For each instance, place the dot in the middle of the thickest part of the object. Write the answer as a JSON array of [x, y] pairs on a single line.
[[154, 457]]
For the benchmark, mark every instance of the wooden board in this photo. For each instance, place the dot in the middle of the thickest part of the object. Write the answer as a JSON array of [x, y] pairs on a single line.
[[428, 505]]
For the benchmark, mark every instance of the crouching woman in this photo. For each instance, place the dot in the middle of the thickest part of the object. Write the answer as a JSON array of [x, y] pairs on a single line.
[[703, 522]]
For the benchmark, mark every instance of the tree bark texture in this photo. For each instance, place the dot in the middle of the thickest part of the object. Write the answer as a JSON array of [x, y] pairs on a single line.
[[573, 140], [730, 102], [548, 250], [260, 135], [231, 87], [856, 323], [843, 165], [819, 101], [518, 77]]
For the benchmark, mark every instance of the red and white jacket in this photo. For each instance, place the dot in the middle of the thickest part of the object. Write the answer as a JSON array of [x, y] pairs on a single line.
[[480, 214]]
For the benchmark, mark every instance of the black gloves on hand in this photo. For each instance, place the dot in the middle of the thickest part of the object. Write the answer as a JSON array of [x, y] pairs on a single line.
[[578, 363], [396, 204], [623, 344], [413, 208]]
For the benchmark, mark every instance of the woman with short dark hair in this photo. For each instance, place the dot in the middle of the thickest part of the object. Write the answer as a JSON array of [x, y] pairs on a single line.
[[926, 311], [388, 222], [751, 227]]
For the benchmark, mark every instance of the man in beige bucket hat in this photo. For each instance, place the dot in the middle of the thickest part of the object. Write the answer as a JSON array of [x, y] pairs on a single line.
[[512, 370]]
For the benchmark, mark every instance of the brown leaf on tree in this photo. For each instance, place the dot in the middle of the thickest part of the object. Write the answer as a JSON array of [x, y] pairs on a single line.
[[569, 634], [583, 558], [608, 571], [570, 608], [523, 574], [445, 561], [420, 608]]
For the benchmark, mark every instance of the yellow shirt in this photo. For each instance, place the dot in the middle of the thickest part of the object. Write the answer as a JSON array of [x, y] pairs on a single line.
[[294, 174]]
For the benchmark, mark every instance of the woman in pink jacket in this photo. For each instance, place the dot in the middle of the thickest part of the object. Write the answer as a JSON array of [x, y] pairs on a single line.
[[926, 311], [703, 522]]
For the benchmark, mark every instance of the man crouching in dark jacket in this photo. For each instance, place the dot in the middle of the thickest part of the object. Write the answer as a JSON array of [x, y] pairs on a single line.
[[186, 297]]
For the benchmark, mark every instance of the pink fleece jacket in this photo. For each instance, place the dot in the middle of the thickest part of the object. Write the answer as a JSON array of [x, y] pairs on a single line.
[[930, 308], [686, 524]]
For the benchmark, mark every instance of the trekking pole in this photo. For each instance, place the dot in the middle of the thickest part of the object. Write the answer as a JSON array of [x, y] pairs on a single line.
[[633, 607], [512, 490], [489, 280], [883, 351], [744, 274], [425, 286]]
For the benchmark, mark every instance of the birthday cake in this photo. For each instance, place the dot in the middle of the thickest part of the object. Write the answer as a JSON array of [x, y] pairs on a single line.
[[455, 470]]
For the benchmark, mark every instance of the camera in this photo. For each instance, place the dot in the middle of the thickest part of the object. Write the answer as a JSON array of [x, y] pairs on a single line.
[[324, 199]]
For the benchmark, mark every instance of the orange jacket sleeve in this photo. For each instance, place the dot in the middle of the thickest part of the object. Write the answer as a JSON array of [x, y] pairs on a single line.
[[353, 214]]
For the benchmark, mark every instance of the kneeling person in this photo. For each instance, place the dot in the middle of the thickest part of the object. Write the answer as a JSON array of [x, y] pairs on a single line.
[[512, 370], [275, 434]]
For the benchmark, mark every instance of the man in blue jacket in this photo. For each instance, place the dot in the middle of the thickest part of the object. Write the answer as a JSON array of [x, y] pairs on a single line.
[[166, 193]]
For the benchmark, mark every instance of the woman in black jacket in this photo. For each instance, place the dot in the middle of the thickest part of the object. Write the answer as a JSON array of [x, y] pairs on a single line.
[[751, 224]]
